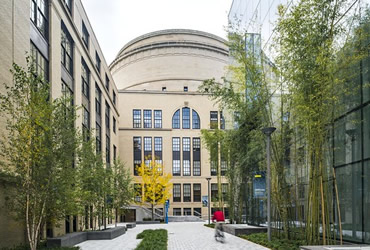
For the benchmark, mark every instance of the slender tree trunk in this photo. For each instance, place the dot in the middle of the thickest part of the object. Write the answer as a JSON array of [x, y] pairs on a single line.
[[115, 224]]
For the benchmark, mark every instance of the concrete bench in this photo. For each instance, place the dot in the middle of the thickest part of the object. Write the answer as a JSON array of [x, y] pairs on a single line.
[[148, 222], [131, 225], [107, 234], [67, 240], [72, 239], [240, 229]]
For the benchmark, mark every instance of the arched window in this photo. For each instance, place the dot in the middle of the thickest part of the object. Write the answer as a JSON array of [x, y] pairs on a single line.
[[176, 119], [185, 118], [196, 120]]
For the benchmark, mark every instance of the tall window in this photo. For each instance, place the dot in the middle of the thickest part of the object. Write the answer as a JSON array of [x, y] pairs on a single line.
[[186, 156], [196, 120], [67, 50], [114, 98], [107, 149], [85, 35], [158, 149], [98, 100], [85, 79], [107, 82], [114, 125], [137, 154], [185, 118], [213, 120], [187, 193], [67, 93], [148, 150], [39, 61], [69, 5], [176, 119], [147, 118], [197, 192], [114, 153], [97, 61], [214, 192], [176, 192], [196, 156], [39, 16], [86, 124], [157, 118], [236, 119], [176, 168], [107, 118], [98, 138], [137, 118]]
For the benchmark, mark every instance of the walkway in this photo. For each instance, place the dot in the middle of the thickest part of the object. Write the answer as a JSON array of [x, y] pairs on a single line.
[[181, 236]]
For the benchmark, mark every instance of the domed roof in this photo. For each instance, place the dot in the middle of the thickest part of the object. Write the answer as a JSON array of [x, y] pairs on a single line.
[[169, 55]]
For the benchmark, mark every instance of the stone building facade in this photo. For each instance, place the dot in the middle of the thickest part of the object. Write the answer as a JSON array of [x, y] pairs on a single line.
[[162, 112], [58, 34]]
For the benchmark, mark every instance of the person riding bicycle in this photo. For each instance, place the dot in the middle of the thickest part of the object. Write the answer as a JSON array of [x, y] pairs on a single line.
[[219, 217]]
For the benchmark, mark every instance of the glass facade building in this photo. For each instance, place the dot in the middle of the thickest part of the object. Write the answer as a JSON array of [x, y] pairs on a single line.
[[349, 153]]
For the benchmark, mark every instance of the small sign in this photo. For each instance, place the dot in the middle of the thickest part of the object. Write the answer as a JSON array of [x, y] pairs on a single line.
[[205, 200]]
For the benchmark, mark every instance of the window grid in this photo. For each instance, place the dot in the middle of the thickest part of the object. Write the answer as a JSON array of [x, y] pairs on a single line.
[[148, 144], [137, 154], [97, 61], [176, 119], [187, 193], [186, 156], [185, 118], [176, 166], [98, 138], [98, 101], [39, 16], [213, 119], [157, 118], [197, 192], [214, 192], [114, 125], [187, 211], [107, 82], [137, 118], [85, 77], [107, 150], [176, 192], [85, 35], [147, 118], [196, 120], [39, 62], [107, 118], [67, 50]]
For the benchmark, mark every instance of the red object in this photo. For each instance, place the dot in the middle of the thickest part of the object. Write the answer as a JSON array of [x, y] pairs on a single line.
[[218, 216]]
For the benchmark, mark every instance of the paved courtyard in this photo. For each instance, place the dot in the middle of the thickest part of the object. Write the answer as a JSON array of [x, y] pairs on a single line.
[[181, 236]]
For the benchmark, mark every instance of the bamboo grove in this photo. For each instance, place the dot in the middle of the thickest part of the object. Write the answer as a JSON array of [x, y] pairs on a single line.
[[318, 49]]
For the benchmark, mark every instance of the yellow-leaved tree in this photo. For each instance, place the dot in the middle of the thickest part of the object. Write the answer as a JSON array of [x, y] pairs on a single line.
[[155, 184]]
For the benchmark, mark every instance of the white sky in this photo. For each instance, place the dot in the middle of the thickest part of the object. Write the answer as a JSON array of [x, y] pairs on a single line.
[[116, 22]]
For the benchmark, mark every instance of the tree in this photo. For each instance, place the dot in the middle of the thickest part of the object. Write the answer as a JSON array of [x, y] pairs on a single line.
[[37, 150], [122, 192], [155, 183], [92, 181], [315, 65]]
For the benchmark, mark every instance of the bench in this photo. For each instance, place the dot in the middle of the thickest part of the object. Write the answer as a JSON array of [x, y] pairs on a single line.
[[67, 240], [131, 225]]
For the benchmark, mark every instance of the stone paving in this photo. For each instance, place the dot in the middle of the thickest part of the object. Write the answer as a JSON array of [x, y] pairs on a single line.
[[181, 236]]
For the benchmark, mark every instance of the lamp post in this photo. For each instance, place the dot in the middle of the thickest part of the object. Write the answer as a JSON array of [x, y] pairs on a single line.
[[209, 202], [268, 131]]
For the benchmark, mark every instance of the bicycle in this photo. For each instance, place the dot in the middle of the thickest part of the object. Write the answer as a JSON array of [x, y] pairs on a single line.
[[219, 233]]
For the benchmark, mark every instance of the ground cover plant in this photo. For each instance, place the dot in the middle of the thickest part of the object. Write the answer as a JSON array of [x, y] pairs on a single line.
[[275, 243], [153, 239]]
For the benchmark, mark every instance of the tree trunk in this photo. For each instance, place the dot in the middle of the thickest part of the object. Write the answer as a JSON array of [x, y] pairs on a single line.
[[116, 217], [152, 212]]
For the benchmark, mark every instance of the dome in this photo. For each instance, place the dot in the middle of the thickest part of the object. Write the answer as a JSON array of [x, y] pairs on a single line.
[[170, 60]]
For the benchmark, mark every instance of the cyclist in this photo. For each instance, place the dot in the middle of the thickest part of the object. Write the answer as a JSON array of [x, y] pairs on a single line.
[[219, 217]]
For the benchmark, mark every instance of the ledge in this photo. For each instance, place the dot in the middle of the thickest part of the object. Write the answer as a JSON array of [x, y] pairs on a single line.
[[72, 239]]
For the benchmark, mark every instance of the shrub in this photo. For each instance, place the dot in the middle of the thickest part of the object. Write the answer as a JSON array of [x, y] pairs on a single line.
[[274, 244], [153, 239]]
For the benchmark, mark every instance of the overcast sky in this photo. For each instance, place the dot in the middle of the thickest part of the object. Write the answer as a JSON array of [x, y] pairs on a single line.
[[116, 22]]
